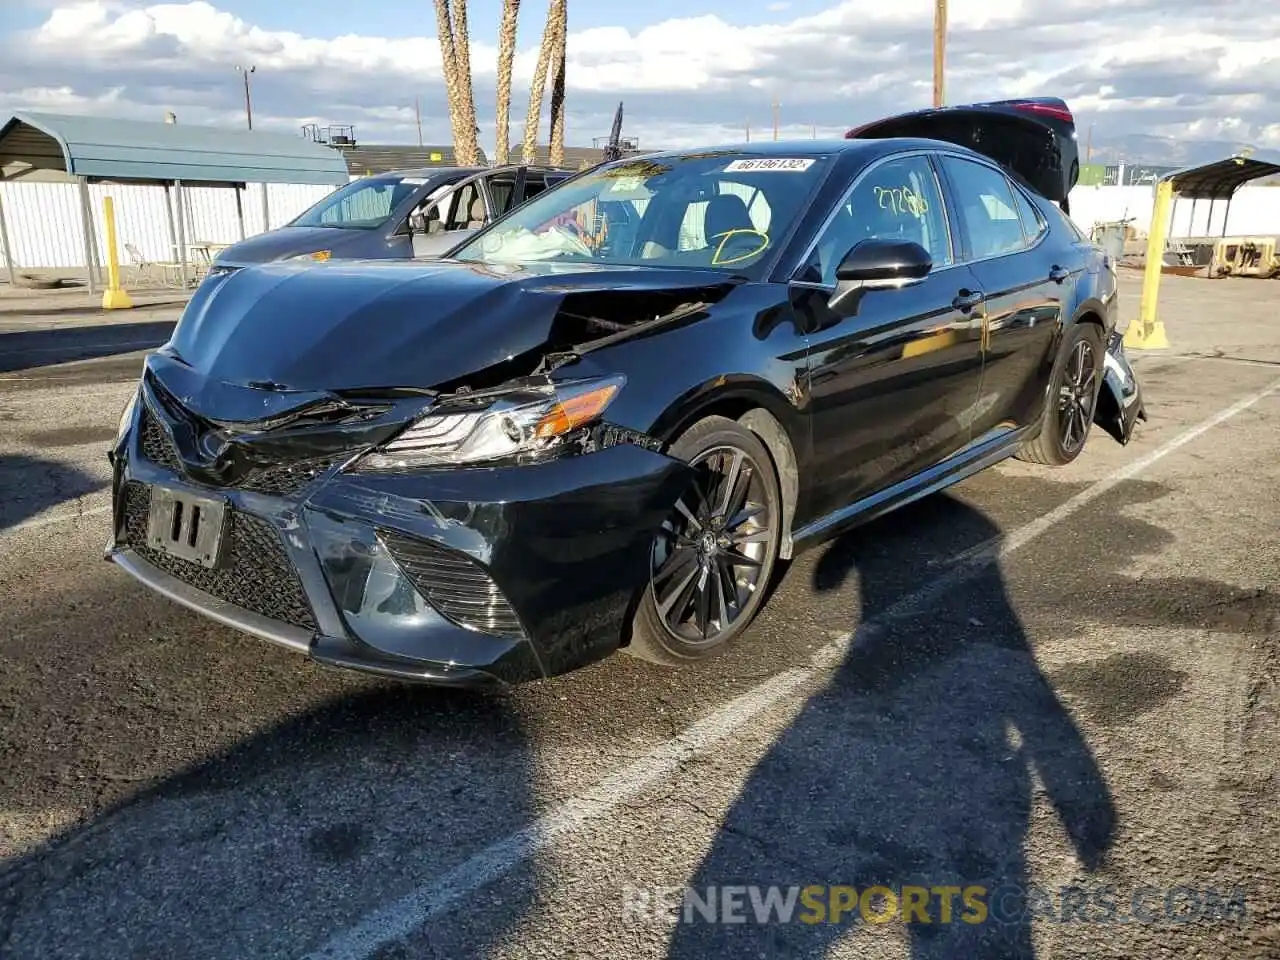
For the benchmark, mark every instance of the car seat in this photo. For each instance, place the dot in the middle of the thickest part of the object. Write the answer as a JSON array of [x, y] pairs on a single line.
[[476, 214], [725, 212]]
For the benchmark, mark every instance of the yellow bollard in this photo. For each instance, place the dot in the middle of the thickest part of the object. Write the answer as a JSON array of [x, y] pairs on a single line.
[[115, 297], [1147, 332]]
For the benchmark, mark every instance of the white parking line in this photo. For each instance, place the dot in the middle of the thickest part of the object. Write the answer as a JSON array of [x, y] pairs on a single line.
[[401, 917]]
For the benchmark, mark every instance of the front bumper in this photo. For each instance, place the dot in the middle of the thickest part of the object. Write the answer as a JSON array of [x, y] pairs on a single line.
[[1120, 403], [461, 577]]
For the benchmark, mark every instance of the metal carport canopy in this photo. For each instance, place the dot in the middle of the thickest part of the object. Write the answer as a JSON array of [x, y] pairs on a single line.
[[1221, 179], [137, 151]]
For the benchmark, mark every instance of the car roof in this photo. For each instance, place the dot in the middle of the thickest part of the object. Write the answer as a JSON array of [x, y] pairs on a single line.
[[466, 171], [808, 148], [428, 172]]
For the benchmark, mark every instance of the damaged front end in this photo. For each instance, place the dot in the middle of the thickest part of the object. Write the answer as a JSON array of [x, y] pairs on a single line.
[[453, 532], [1120, 403]]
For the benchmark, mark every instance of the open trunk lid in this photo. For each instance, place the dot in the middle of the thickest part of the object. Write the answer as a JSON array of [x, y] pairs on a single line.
[[1033, 138]]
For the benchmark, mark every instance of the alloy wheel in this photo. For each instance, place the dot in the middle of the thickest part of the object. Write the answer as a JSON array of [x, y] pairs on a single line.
[[708, 559], [1077, 396]]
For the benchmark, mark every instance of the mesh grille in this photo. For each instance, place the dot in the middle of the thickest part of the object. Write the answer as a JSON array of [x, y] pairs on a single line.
[[155, 444], [282, 479], [454, 584], [286, 478], [255, 573]]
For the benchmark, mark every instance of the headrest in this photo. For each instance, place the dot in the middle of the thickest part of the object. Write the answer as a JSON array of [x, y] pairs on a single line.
[[726, 212]]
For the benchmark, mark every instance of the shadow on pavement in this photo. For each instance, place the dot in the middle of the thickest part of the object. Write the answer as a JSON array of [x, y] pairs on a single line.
[[293, 831], [29, 349], [29, 486], [913, 767]]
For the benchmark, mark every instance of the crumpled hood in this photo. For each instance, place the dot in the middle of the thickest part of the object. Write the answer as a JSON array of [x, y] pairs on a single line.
[[350, 325]]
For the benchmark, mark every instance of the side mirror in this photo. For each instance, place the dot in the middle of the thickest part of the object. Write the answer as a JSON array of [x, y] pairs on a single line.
[[878, 265]]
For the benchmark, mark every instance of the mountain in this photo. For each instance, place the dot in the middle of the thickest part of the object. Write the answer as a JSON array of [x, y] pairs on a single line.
[[1141, 148]]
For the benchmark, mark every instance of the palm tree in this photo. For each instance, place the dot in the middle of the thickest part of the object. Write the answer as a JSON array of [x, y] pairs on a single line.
[[455, 61], [534, 120], [557, 82], [506, 56]]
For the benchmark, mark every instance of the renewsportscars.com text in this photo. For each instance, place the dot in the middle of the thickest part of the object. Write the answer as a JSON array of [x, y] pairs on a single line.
[[940, 904]]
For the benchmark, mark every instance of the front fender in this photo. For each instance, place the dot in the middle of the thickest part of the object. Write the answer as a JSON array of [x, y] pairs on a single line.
[[1120, 404]]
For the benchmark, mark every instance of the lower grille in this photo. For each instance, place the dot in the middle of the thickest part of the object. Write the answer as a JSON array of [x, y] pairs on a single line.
[[255, 574], [457, 586]]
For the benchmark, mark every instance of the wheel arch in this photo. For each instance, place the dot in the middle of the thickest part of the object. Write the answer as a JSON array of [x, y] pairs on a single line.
[[1091, 312], [764, 410]]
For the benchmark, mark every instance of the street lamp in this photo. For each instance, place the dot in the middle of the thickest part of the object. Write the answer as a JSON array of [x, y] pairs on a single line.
[[248, 105]]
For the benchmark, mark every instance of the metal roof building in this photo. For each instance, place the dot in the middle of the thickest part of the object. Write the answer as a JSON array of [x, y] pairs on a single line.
[[45, 146], [137, 151]]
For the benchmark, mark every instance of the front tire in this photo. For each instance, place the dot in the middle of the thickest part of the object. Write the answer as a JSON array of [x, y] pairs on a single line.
[[1071, 401], [713, 559]]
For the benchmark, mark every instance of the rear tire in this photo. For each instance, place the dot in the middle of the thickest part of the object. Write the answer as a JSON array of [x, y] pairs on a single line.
[[1071, 401], [712, 562]]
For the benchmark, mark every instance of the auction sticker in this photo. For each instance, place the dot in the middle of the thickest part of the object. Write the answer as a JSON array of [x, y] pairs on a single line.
[[756, 164]]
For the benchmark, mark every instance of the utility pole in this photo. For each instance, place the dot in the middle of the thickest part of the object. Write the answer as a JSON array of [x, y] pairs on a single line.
[[417, 112], [748, 131], [248, 102], [814, 130], [1088, 146], [939, 50], [776, 107]]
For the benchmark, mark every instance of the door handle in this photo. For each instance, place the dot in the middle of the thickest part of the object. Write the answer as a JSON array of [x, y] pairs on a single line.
[[966, 300], [1057, 274]]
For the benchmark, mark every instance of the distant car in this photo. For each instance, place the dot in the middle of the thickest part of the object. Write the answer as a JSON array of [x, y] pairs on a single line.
[[398, 215], [604, 419]]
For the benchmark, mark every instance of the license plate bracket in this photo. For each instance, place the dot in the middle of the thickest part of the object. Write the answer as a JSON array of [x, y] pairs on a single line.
[[186, 525]]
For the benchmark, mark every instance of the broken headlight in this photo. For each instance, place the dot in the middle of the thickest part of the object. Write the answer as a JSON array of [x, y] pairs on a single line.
[[496, 425]]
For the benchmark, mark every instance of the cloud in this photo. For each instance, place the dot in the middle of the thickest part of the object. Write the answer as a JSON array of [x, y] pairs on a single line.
[[1161, 67]]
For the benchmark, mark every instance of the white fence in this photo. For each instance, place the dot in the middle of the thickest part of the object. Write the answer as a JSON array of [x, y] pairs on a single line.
[[45, 225], [1254, 210]]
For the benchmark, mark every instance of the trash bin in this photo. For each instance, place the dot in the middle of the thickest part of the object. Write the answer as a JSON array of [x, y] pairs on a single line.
[[1110, 236]]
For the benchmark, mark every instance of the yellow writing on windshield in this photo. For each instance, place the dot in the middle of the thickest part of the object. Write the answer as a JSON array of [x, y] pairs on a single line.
[[718, 259]]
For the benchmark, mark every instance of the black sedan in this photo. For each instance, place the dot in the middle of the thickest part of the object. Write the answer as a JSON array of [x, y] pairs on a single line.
[[603, 420]]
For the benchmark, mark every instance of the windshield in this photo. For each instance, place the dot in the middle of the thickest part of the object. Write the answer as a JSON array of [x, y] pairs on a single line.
[[712, 209], [362, 204]]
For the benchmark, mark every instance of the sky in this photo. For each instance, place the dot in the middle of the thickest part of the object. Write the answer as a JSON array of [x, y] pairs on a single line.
[[1143, 75]]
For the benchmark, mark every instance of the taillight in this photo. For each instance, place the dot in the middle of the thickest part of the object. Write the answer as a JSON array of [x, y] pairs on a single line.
[[1047, 110]]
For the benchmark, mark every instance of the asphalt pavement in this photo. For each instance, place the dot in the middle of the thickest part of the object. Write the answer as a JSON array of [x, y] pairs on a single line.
[[1049, 684]]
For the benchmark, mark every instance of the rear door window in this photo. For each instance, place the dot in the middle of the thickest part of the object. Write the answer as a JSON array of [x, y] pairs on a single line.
[[501, 192], [534, 186], [1033, 221], [987, 208]]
